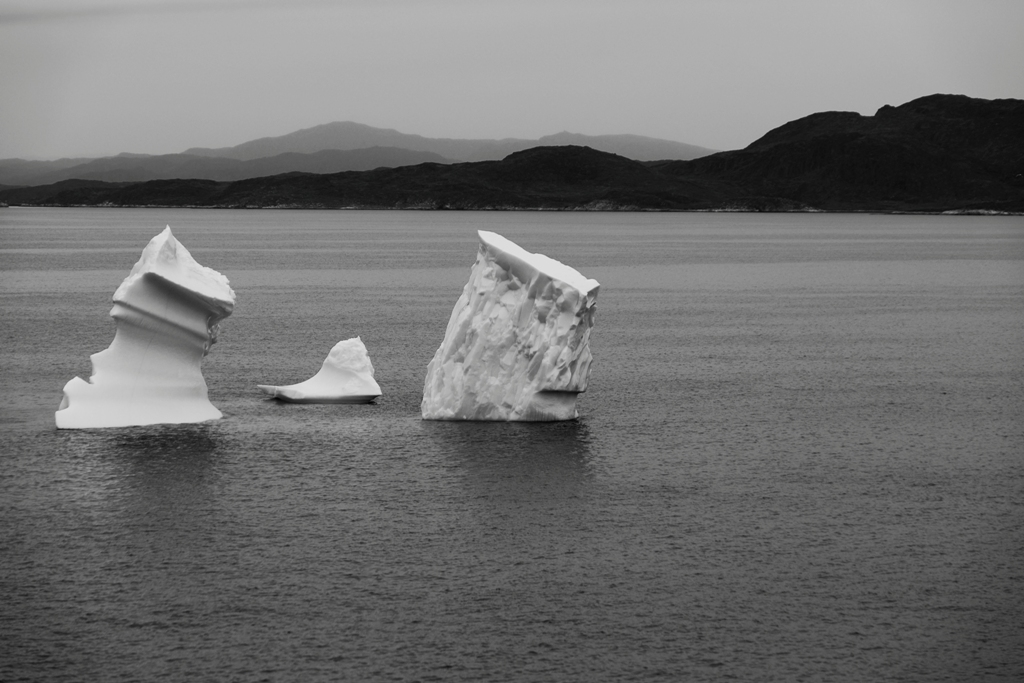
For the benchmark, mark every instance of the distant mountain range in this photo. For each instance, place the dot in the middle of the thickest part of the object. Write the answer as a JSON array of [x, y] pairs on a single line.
[[330, 148], [937, 153], [349, 135], [138, 168]]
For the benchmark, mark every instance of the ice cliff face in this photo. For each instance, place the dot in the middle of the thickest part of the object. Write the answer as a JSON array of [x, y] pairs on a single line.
[[167, 312], [346, 376], [517, 344]]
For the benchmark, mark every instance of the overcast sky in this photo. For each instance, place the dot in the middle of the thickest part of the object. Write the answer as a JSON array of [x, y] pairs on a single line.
[[100, 77]]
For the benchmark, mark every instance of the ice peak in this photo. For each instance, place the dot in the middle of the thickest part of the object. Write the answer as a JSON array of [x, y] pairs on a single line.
[[168, 259]]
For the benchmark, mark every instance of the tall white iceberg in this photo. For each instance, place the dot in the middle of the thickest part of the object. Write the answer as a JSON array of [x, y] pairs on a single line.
[[517, 345], [346, 376], [167, 312]]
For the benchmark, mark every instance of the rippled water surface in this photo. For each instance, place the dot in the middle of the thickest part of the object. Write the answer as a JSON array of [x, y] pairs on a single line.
[[801, 457]]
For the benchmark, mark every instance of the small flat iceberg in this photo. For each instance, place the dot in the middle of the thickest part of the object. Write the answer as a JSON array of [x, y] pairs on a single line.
[[168, 311], [517, 346], [346, 376]]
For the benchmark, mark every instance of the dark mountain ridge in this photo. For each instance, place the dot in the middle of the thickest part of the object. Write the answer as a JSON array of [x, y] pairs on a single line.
[[938, 153], [565, 177], [934, 152]]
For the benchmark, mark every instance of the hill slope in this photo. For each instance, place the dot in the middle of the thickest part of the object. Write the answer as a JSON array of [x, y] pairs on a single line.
[[933, 153]]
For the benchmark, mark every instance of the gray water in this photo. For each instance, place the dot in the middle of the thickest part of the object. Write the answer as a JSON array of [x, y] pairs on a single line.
[[801, 457]]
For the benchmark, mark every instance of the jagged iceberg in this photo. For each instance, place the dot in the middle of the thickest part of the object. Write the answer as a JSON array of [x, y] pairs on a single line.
[[517, 345], [167, 312], [346, 376]]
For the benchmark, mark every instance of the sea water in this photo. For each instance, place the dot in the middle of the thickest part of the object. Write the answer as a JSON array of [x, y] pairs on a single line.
[[800, 457]]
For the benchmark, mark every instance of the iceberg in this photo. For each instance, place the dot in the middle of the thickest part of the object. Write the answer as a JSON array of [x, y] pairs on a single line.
[[346, 376], [167, 312], [517, 346]]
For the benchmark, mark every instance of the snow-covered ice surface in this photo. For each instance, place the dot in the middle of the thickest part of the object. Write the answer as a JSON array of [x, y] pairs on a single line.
[[167, 312], [346, 376], [517, 344]]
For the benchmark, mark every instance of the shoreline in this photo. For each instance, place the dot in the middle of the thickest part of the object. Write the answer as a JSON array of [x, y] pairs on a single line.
[[512, 209]]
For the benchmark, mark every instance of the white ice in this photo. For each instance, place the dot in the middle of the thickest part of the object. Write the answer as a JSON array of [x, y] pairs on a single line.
[[167, 312], [517, 345], [346, 376]]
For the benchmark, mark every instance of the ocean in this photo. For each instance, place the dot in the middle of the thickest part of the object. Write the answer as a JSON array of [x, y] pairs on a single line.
[[800, 457]]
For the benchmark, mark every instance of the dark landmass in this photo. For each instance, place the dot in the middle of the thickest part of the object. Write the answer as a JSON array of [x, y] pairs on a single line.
[[934, 154], [542, 177]]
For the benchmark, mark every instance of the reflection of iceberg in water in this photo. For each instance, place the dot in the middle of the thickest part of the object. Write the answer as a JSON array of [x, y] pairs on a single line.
[[517, 346], [142, 469], [167, 312], [346, 376], [515, 461]]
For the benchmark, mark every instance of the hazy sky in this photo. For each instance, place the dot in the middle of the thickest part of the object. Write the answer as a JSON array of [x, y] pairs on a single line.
[[99, 77]]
